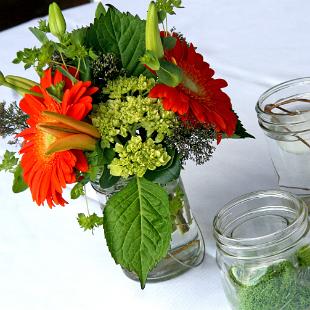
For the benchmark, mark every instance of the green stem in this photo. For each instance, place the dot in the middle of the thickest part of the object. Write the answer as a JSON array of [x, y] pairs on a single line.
[[78, 68], [62, 58], [181, 222]]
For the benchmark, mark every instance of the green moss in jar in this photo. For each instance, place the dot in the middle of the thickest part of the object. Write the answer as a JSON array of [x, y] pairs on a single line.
[[279, 286]]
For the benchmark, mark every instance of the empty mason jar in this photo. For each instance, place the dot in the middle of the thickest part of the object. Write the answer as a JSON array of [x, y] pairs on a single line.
[[283, 113], [263, 251]]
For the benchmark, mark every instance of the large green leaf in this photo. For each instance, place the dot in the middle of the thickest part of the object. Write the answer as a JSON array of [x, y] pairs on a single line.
[[122, 34], [137, 226]]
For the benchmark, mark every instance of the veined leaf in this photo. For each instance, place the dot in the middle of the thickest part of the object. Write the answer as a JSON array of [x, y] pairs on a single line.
[[39, 34], [121, 34], [138, 227], [100, 10], [169, 74]]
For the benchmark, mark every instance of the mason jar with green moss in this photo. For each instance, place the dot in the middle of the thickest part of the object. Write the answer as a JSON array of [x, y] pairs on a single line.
[[186, 246], [263, 251]]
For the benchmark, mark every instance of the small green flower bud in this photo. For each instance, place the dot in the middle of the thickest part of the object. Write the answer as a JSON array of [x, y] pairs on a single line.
[[20, 82], [2, 78], [21, 85], [152, 35], [56, 21]]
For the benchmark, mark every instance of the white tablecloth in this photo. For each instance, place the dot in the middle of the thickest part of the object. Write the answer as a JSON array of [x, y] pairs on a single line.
[[48, 263]]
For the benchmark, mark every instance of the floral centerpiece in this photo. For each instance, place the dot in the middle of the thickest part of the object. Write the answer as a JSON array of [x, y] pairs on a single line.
[[116, 100]]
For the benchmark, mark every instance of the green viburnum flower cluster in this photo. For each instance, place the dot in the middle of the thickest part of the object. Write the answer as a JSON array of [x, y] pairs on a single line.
[[134, 125], [129, 86], [136, 157]]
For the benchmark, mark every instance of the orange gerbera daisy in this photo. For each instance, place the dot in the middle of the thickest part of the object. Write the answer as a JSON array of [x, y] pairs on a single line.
[[47, 175], [198, 98]]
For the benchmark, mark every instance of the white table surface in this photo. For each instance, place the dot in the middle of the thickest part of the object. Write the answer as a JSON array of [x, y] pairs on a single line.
[[48, 263]]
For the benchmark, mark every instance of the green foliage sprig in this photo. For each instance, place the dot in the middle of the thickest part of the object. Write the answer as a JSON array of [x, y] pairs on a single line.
[[89, 222], [168, 6], [12, 120], [11, 164], [68, 49]]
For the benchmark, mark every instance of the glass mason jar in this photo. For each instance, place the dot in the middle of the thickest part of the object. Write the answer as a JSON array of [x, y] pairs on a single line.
[[283, 113], [263, 251], [187, 245]]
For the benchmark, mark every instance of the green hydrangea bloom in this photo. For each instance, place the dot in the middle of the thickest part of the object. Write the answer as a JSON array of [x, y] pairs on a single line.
[[136, 157], [128, 86], [129, 110]]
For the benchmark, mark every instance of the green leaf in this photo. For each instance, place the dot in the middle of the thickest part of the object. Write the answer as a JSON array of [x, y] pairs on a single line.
[[85, 69], [43, 25], [240, 132], [168, 5], [107, 180], [161, 16], [108, 155], [89, 222], [67, 74], [121, 34], [9, 161], [138, 227], [165, 174], [77, 191], [169, 74], [169, 42], [100, 10], [19, 184], [39, 34], [150, 59], [77, 36]]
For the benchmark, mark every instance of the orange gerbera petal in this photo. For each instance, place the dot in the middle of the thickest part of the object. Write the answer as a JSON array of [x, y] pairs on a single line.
[[198, 98], [47, 175]]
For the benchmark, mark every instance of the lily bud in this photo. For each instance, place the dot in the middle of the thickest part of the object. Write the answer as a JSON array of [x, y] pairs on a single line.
[[152, 35], [20, 81], [56, 21], [21, 85], [72, 123], [2, 78], [72, 142]]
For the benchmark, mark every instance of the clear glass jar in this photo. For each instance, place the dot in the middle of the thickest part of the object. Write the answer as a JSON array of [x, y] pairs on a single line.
[[283, 113], [187, 245], [263, 251]]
